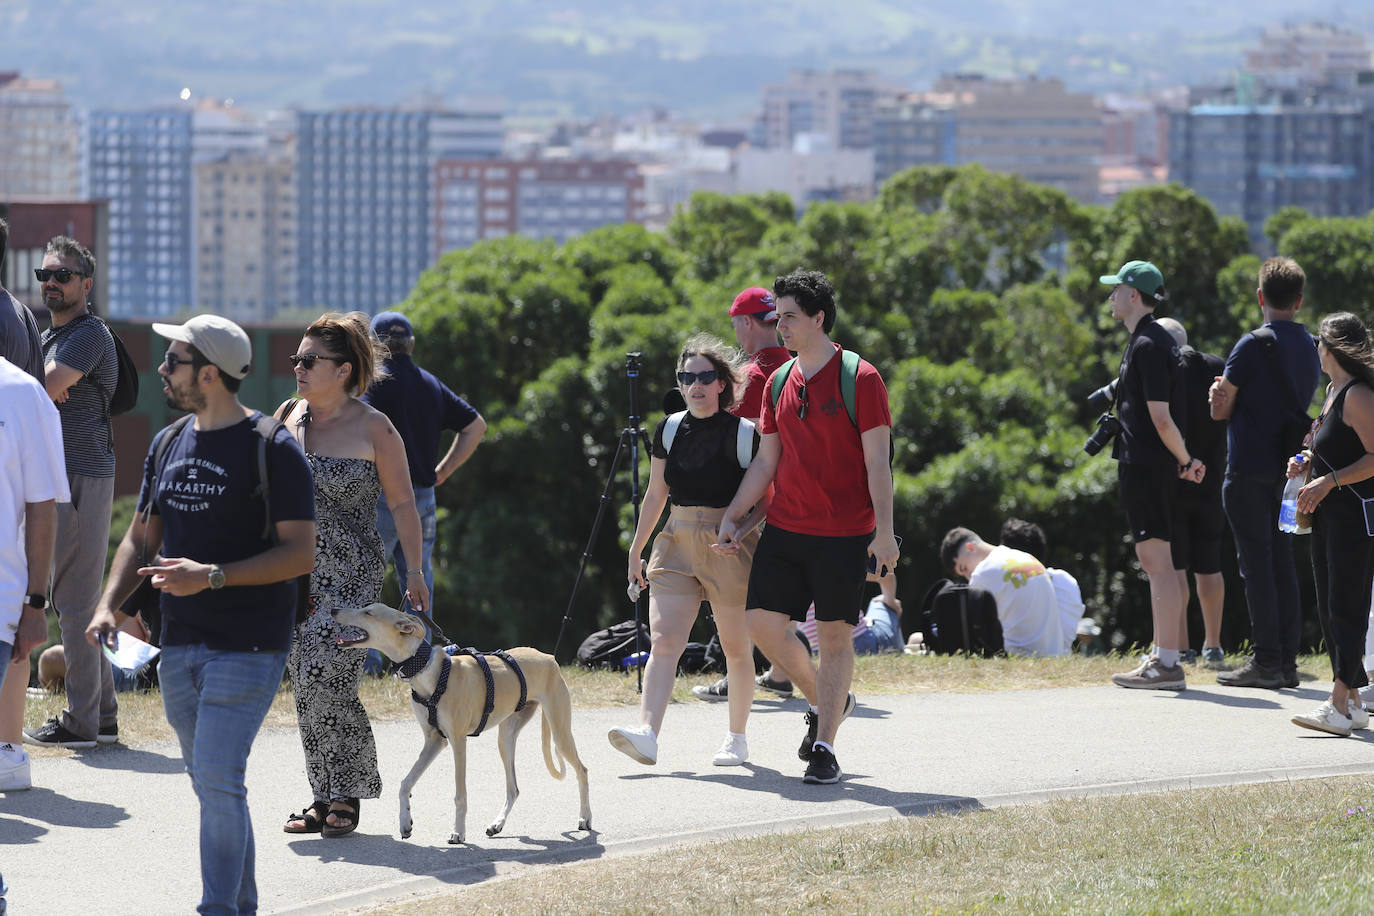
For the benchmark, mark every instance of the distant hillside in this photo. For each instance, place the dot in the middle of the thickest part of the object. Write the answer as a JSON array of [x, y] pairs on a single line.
[[587, 56]]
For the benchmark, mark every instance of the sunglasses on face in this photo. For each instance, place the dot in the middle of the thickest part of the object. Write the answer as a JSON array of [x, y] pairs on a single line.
[[801, 410], [686, 379], [306, 361], [173, 361], [61, 274]]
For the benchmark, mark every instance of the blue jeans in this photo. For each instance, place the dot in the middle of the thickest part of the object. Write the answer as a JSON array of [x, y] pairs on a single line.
[[1265, 556], [884, 633], [216, 701], [426, 505], [5, 649]]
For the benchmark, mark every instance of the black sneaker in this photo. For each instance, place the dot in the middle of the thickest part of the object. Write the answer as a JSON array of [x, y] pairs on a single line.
[[823, 769], [1290, 676], [782, 688], [804, 752], [1251, 674], [53, 734], [108, 734]]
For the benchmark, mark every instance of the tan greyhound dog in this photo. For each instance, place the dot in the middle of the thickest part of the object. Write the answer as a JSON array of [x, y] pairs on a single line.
[[399, 636]]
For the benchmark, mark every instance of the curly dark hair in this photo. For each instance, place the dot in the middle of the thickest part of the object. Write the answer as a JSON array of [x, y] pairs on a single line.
[[812, 291], [1019, 534]]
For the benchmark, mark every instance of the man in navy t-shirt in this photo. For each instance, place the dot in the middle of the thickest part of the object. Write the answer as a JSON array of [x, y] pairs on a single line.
[[1265, 382], [420, 407], [228, 590]]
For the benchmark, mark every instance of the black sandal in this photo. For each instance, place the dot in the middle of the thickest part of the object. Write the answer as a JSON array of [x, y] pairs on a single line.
[[348, 816], [311, 820]]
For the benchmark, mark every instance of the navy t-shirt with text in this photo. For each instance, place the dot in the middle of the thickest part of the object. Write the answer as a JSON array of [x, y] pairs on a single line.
[[211, 514]]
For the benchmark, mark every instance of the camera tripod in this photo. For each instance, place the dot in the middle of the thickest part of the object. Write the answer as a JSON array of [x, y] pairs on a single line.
[[631, 438]]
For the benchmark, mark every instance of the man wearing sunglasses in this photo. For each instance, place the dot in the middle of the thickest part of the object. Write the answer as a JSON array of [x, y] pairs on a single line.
[[81, 371], [831, 509]]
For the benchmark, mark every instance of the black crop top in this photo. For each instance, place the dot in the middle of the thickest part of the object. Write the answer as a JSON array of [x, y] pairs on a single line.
[[1337, 445], [703, 467]]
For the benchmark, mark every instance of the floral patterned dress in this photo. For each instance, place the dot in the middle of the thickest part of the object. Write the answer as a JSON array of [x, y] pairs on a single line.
[[340, 751]]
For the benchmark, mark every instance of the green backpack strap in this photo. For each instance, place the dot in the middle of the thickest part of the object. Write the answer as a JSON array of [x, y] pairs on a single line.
[[780, 379], [849, 380]]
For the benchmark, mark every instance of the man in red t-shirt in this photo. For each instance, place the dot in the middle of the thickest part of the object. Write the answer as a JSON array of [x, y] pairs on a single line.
[[831, 509], [754, 316]]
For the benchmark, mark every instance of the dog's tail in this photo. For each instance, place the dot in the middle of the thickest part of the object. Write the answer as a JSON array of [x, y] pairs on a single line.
[[557, 768]]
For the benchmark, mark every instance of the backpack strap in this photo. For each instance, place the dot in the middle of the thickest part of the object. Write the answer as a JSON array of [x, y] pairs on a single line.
[[670, 426], [267, 429], [161, 443], [1270, 340], [849, 380], [744, 442], [780, 379]]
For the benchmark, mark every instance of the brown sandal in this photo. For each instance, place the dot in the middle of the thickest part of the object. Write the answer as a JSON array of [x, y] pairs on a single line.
[[311, 820], [348, 816]]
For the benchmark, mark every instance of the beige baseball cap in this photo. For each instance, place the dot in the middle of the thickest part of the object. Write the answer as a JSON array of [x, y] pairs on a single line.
[[224, 343]]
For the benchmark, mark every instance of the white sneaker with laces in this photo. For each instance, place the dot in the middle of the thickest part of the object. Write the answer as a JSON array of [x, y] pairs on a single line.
[[1325, 718], [733, 752], [1359, 717], [15, 773], [636, 743]]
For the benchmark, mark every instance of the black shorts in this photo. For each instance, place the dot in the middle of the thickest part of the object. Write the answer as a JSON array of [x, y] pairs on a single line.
[[1147, 492], [791, 571], [1199, 524]]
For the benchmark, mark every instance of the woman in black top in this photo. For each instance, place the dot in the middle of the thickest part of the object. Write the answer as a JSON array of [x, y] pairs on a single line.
[[699, 457], [1342, 445]]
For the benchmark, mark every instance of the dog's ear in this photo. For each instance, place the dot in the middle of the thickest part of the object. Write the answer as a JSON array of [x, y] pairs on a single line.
[[409, 626]]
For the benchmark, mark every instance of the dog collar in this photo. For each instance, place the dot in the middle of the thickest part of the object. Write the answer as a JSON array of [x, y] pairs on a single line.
[[416, 663]]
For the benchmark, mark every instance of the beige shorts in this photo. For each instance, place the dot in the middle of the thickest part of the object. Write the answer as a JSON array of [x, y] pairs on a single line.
[[683, 563]]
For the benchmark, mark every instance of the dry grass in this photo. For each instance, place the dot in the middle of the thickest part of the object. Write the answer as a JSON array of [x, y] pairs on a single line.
[[141, 719], [1282, 847]]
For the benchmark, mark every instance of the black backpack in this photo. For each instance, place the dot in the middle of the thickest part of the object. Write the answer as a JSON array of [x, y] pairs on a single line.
[[125, 395], [959, 618], [605, 648]]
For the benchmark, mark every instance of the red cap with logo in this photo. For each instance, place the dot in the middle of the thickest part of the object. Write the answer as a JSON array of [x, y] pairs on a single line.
[[755, 301]]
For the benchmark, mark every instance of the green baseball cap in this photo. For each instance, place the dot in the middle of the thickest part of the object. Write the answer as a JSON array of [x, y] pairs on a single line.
[[1141, 275]]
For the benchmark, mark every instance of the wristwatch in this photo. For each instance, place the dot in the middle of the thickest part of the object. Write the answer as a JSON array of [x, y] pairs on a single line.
[[216, 578], [36, 600]]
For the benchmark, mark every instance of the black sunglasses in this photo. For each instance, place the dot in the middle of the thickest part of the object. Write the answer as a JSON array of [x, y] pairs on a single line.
[[801, 411], [685, 379], [173, 361], [62, 274], [307, 360]]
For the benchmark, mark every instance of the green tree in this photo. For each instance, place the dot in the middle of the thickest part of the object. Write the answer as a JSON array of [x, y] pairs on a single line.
[[714, 228], [1334, 253], [1281, 220]]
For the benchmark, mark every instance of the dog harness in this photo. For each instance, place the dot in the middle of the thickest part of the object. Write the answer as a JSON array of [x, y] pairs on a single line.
[[417, 662]]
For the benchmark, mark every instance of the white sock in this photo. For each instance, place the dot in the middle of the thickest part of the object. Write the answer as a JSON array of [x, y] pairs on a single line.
[[815, 710], [1167, 657], [828, 748], [739, 735]]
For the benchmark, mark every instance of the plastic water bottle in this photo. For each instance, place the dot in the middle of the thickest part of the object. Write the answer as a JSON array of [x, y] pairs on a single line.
[[1288, 507], [633, 659]]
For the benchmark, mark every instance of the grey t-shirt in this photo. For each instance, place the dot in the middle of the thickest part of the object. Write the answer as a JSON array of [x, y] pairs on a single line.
[[19, 340], [86, 345]]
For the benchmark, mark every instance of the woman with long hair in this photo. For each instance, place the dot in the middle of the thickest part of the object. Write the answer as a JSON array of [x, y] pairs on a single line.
[[1342, 446], [699, 456], [357, 456]]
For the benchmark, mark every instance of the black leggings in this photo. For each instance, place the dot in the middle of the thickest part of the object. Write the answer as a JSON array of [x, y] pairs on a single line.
[[1342, 560]]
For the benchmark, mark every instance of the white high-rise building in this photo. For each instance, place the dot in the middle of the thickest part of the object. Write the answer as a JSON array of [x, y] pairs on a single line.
[[38, 141]]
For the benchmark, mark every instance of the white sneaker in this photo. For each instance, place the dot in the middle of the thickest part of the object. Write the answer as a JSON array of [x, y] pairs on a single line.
[[732, 753], [14, 768], [635, 743], [1325, 718], [1359, 717]]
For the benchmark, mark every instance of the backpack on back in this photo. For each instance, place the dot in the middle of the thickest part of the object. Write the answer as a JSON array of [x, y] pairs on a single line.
[[960, 618], [125, 395], [849, 382]]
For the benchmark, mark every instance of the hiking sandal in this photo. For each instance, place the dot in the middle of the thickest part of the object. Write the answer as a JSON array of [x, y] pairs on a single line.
[[311, 820], [348, 816]]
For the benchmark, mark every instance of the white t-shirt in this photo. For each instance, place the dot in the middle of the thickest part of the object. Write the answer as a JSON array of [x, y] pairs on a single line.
[[1070, 601], [32, 470], [1026, 602]]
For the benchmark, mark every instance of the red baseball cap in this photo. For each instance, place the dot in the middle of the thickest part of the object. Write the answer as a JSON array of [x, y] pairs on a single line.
[[755, 301]]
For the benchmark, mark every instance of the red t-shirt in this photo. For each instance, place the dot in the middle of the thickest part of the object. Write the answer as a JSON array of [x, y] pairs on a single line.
[[821, 486], [756, 380]]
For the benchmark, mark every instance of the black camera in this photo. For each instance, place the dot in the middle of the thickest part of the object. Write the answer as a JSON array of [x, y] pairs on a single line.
[[1107, 428], [1102, 398]]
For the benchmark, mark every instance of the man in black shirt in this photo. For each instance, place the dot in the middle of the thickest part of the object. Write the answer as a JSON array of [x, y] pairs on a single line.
[[1151, 455], [1199, 520]]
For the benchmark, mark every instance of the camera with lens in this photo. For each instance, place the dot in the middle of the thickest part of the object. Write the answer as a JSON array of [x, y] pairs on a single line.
[[1107, 428], [1102, 398]]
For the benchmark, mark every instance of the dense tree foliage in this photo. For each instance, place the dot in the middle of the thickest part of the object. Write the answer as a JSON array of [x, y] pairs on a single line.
[[977, 296]]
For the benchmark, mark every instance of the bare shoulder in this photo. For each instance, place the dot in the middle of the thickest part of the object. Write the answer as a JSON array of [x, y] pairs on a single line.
[[378, 425], [1359, 403]]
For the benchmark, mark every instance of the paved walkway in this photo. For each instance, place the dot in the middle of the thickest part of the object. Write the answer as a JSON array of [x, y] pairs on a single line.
[[114, 831]]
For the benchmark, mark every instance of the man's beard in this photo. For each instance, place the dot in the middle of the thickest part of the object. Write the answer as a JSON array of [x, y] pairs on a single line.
[[58, 305], [181, 399]]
